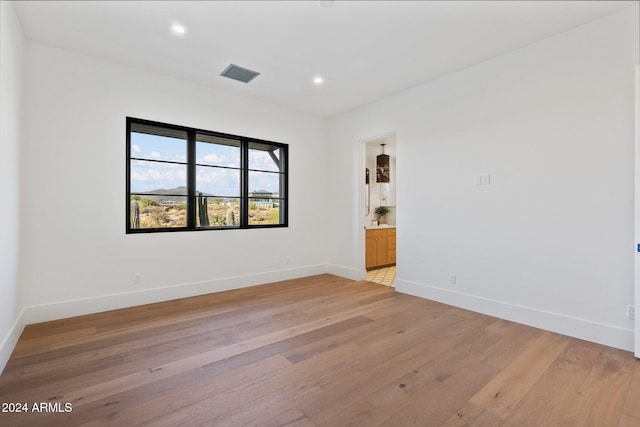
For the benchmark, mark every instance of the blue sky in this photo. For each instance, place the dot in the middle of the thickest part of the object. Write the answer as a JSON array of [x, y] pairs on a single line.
[[220, 181]]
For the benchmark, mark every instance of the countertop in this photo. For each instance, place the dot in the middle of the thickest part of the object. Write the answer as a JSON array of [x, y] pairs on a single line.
[[376, 227]]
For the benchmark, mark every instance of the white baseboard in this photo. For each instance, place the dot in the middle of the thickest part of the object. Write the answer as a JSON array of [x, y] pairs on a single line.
[[579, 328], [79, 307], [346, 272], [600, 333], [10, 340]]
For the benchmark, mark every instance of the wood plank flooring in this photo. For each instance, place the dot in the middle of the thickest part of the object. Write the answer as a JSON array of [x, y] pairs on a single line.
[[317, 351]]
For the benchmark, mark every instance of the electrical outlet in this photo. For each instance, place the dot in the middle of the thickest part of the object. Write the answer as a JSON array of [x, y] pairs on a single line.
[[452, 279], [137, 278], [631, 312]]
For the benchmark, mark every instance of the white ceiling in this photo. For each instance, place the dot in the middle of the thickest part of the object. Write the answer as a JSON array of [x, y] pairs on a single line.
[[365, 50]]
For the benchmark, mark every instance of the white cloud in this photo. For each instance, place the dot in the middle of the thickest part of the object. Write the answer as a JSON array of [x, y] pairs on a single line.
[[264, 181], [155, 155], [218, 181], [207, 176], [213, 158], [261, 160], [136, 148], [135, 176], [150, 176]]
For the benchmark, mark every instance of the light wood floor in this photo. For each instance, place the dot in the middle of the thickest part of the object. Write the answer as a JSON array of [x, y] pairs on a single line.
[[318, 351]]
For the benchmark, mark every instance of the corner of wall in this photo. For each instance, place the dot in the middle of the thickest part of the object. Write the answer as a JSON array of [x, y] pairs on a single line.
[[11, 132], [11, 339], [346, 272]]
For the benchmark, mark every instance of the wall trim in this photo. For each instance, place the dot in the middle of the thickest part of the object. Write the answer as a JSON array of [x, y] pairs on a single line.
[[346, 272], [588, 330], [82, 306], [579, 328], [78, 307], [11, 339]]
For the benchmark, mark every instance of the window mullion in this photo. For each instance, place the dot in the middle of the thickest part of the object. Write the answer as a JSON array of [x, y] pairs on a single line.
[[128, 183], [244, 183], [284, 187], [191, 179]]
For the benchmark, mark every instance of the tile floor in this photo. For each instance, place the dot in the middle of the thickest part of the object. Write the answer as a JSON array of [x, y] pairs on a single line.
[[384, 276]]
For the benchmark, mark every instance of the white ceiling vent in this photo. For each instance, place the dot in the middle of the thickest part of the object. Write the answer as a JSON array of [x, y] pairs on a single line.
[[239, 73]]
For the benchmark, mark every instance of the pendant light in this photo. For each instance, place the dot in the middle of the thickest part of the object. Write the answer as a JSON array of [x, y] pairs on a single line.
[[382, 167]]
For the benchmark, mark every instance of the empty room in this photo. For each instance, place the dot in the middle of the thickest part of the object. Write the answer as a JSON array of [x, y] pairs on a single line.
[[320, 213]]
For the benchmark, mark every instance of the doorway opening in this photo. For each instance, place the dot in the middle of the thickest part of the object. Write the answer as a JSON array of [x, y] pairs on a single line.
[[379, 217]]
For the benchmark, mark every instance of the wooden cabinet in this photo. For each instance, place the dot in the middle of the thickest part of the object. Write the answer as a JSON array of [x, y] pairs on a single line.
[[391, 246], [380, 247]]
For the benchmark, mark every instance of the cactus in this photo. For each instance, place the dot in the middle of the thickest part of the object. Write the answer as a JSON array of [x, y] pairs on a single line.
[[203, 210], [231, 217], [135, 215]]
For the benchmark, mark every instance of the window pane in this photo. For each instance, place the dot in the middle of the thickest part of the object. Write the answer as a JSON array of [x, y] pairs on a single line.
[[217, 151], [157, 212], [158, 177], [218, 181], [217, 212], [265, 182], [264, 211], [237, 182], [159, 147], [265, 157]]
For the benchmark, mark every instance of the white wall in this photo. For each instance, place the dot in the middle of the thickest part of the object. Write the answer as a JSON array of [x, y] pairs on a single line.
[[11, 62], [550, 241], [76, 257]]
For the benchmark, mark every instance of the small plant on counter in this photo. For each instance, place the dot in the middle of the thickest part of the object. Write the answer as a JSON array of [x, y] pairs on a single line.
[[381, 211]]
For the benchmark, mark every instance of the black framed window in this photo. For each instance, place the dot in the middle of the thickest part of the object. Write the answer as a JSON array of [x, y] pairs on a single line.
[[184, 179]]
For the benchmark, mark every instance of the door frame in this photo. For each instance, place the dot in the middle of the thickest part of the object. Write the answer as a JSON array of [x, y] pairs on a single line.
[[361, 195], [637, 217]]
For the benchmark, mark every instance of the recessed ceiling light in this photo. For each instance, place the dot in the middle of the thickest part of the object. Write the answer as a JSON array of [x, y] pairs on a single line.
[[178, 29], [318, 80]]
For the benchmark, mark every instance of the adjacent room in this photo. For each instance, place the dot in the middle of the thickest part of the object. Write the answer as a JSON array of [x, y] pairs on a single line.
[[320, 213]]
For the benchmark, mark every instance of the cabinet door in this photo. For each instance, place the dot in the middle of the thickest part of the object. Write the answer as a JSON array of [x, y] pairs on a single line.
[[374, 250], [391, 256], [371, 250], [382, 251]]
